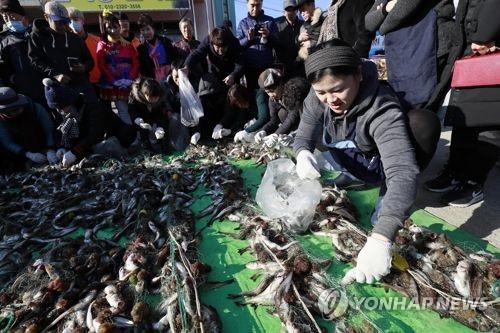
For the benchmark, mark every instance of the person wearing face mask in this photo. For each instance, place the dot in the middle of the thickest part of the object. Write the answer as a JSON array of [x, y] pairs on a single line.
[[119, 65], [77, 25], [285, 104], [360, 125], [86, 127], [58, 53], [156, 52], [149, 113], [16, 70], [27, 133]]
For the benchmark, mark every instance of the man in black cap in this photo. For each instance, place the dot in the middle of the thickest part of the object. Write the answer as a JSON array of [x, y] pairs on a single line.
[[26, 131], [85, 124], [58, 53], [16, 69], [288, 31]]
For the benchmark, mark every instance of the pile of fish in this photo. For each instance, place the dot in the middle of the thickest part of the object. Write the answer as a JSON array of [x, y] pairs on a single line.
[[427, 267], [279, 147], [88, 249], [293, 280], [111, 246]]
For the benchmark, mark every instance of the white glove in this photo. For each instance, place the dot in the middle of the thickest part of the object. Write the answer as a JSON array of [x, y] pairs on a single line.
[[52, 157], [249, 123], [159, 133], [259, 136], [244, 136], [195, 138], [307, 166], [60, 152], [374, 262], [36, 157], [219, 132], [271, 139], [68, 159], [140, 122]]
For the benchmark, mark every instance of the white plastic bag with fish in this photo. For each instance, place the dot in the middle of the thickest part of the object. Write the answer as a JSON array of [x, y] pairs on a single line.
[[191, 108], [282, 194]]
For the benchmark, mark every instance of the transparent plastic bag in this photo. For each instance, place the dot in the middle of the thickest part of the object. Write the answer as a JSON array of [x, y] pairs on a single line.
[[282, 194], [191, 108]]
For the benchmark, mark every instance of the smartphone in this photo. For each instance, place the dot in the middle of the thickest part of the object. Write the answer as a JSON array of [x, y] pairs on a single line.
[[256, 28], [72, 61]]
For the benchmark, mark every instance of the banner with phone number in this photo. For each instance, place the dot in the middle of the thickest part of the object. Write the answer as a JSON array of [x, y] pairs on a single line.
[[125, 5]]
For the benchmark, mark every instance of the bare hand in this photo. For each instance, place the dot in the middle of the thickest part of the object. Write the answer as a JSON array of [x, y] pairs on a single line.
[[77, 68], [264, 32], [303, 37], [390, 5], [483, 48], [63, 78], [251, 33], [229, 80]]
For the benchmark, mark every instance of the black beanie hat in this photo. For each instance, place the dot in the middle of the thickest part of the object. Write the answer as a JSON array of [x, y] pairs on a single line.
[[334, 53], [58, 95], [12, 6]]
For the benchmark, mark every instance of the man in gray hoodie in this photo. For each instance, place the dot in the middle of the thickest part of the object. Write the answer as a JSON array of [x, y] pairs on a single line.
[[359, 123]]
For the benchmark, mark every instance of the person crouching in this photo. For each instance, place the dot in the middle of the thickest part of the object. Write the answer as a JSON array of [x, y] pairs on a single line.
[[86, 127], [149, 112]]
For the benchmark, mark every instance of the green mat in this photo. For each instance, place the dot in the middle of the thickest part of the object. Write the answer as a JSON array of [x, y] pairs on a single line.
[[221, 253]]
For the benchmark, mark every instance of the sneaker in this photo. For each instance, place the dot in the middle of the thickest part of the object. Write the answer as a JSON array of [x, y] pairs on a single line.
[[464, 195], [443, 183], [345, 182]]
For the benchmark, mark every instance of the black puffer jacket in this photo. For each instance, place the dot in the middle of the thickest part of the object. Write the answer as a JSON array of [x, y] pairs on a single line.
[[16, 68], [49, 52], [230, 63], [351, 24], [139, 107]]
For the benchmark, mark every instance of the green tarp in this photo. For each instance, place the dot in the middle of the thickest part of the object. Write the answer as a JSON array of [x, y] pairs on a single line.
[[220, 251]]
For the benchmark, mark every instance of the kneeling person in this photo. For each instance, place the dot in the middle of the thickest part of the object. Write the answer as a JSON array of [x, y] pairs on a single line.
[[85, 125], [285, 104], [364, 130]]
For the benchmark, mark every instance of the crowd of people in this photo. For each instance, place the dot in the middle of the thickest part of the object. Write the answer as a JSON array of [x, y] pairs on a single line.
[[67, 93]]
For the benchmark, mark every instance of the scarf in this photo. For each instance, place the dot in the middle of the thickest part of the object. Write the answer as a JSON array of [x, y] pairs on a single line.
[[329, 28], [69, 127]]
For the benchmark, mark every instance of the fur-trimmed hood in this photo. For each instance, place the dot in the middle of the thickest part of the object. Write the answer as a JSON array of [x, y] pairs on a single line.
[[317, 16], [313, 28]]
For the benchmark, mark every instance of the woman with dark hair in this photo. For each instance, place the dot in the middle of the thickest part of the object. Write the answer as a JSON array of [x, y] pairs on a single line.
[[224, 56], [364, 132], [285, 104], [119, 66], [240, 112], [148, 110], [156, 52]]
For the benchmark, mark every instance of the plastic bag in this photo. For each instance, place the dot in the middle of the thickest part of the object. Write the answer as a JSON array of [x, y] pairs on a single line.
[[282, 194], [191, 108]]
